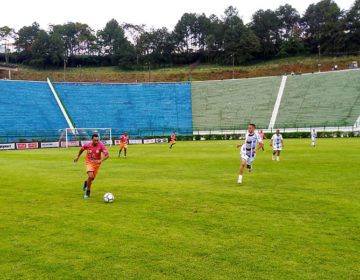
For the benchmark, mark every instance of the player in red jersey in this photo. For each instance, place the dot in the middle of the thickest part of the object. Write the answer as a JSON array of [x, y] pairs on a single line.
[[124, 139], [173, 142], [93, 160], [263, 136]]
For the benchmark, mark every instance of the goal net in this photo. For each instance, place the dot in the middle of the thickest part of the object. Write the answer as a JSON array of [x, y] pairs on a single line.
[[79, 136]]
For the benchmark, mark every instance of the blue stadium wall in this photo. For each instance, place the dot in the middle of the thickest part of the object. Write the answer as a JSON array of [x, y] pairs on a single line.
[[28, 106], [139, 109]]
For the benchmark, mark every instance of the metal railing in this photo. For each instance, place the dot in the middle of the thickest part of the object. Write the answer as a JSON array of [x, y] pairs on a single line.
[[8, 135]]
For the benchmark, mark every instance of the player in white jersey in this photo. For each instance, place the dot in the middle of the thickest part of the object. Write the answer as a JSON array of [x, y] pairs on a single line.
[[248, 149], [313, 137], [278, 143]]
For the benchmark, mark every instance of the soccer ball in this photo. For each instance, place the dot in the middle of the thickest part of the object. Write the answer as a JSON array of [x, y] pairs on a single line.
[[108, 197]]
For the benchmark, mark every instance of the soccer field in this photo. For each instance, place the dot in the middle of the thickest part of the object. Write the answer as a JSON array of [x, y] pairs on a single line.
[[179, 214]]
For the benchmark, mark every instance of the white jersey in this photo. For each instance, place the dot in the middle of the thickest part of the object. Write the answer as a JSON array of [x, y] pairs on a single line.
[[251, 140], [276, 139], [313, 135]]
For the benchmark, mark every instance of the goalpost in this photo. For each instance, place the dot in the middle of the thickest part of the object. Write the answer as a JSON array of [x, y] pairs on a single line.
[[84, 135]]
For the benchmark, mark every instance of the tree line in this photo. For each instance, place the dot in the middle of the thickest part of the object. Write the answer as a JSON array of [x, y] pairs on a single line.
[[283, 32]]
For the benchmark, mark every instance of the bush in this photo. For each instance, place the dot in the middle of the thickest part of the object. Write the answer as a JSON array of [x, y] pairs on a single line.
[[296, 134], [321, 134], [325, 134], [269, 135], [291, 47], [189, 138], [196, 137]]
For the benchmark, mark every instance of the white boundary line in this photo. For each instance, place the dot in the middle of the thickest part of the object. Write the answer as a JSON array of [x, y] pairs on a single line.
[[357, 123], [277, 103], [60, 105]]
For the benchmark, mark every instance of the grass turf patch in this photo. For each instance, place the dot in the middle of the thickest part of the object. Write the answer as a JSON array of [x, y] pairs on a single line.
[[179, 214]]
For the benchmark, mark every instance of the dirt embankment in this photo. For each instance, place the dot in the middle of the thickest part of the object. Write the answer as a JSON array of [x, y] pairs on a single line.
[[201, 74]]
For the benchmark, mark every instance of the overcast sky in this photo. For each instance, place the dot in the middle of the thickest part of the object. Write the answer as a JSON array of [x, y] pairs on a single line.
[[155, 13]]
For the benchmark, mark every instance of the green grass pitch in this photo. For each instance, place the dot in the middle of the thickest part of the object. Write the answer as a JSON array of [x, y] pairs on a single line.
[[179, 214]]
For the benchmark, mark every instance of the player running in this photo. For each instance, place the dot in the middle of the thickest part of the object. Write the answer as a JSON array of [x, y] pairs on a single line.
[[173, 142], [263, 136], [278, 143], [313, 137], [124, 139], [248, 149], [93, 160]]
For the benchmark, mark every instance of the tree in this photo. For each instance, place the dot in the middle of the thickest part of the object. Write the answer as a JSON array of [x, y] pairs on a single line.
[[215, 36], [240, 43], [125, 56], [156, 46], [40, 50], [133, 31], [322, 24], [266, 26], [78, 38], [111, 37], [186, 32], [292, 46], [56, 49], [112, 42], [67, 34], [84, 38], [195, 38], [289, 19], [25, 38], [204, 30], [5, 34], [352, 28]]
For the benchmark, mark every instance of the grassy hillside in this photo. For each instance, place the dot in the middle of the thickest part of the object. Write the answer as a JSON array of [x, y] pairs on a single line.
[[178, 74]]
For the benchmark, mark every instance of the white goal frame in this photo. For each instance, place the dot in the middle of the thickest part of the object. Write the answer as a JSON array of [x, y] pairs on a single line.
[[74, 131]]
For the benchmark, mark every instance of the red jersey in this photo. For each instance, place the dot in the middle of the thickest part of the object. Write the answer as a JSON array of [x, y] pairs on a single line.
[[94, 152], [261, 134], [124, 139], [173, 136]]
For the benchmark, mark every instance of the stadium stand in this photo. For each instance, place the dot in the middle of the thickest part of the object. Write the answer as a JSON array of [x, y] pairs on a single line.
[[232, 104], [140, 109], [321, 99], [28, 106], [29, 110]]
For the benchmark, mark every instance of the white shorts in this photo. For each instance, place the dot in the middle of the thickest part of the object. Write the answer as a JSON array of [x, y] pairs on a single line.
[[277, 149], [249, 160]]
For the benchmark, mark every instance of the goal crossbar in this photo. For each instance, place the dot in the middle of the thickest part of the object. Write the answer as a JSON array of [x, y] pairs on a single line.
[[81, 132]]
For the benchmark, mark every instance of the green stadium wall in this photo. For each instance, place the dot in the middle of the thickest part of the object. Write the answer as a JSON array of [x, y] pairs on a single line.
[[321, 99], [233, 104]]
